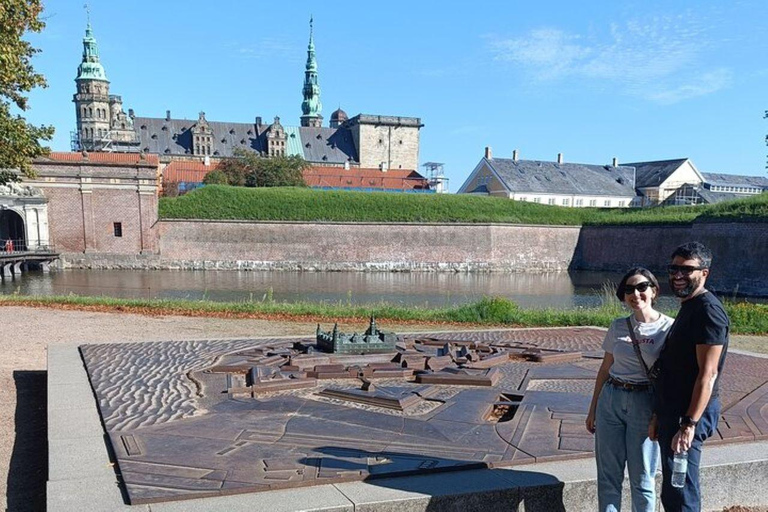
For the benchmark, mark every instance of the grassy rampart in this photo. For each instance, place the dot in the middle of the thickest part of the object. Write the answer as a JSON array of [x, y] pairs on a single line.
[[221, 202]]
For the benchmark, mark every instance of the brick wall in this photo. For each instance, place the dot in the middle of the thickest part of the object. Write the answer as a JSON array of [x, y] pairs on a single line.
[[360, 246], [740, 251], [86, 199]]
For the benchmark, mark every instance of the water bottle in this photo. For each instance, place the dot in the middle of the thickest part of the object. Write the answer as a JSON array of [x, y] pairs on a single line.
[[679, 469]]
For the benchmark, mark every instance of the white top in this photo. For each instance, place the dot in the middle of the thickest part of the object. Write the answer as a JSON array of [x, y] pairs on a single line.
[[650, 337]]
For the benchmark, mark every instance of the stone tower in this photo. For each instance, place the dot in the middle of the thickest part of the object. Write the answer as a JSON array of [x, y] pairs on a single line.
[[92, 97], [311, 106]]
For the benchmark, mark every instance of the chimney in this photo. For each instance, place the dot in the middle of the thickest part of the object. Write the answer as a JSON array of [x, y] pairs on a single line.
[[615, 162], [207, 160], [559, 158], [346, 165], [167, 115], [514, 155], [258, 120], [488, 154], [130, 113]]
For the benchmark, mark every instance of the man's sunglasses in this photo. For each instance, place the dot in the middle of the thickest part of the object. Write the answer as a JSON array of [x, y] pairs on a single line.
[[684, 269], [629, 289]]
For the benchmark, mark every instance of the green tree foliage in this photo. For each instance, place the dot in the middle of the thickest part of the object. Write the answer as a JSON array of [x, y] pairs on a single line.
[[19, 141], [216, 178], [251, 170]]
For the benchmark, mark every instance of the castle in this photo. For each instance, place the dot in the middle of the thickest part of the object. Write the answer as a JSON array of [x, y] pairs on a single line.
[[364, 141]]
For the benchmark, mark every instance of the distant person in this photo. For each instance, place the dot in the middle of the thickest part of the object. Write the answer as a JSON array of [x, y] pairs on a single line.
[[691, 364], [622, 403]]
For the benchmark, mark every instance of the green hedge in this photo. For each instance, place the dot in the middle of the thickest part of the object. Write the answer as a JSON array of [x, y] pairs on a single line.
[[221, 202]]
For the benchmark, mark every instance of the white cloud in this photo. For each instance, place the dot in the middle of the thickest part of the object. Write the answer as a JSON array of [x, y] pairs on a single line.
[[658, 59]]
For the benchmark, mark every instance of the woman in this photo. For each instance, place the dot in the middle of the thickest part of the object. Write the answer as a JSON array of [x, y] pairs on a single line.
[[622, 403]]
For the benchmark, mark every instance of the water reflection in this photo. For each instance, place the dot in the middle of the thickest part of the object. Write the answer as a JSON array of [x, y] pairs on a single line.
[[557, 290]]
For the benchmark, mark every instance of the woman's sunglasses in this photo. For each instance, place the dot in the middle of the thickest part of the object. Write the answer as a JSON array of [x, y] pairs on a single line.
[[629, 289]]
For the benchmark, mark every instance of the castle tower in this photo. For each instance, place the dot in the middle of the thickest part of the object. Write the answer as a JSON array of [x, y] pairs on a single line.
[[92, 106], [311, 106]]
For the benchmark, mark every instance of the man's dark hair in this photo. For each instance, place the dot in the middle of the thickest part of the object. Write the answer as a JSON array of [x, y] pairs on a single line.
[[638, 271], [694, 250]]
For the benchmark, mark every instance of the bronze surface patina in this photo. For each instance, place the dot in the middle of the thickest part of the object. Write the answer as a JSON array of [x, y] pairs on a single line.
[[192, 419]]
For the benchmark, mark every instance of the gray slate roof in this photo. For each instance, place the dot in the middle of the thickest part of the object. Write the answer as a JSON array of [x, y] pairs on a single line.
[[651, 174], [566, 178], [735, 180], [174, 137]]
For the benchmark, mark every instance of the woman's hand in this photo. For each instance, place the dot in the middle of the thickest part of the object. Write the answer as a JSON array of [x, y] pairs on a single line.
[[653, 428], [591, 421]]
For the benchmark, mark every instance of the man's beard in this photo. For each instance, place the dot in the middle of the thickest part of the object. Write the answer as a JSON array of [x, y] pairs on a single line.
[[692, 284]]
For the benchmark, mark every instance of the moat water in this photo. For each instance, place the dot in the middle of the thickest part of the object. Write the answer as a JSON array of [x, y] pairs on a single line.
[[556, 290]]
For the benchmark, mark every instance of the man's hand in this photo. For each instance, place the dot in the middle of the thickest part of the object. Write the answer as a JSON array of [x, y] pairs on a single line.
[[653, 428], [683, 439]]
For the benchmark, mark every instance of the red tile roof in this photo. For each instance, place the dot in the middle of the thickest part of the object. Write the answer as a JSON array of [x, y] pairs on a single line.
[[181, 171], [338, 177], [187, 171], [101, 157]]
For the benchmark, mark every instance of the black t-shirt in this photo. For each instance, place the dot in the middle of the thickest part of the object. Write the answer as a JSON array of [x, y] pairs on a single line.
[[701, 321]]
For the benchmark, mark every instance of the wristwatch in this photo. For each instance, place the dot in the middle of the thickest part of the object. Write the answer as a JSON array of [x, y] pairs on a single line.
[[687, 421]]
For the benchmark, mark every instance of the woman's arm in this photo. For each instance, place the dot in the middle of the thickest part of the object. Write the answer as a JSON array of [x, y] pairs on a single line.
[[602, 376]]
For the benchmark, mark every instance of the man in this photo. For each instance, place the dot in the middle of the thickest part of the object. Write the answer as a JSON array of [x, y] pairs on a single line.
[[691, 363]]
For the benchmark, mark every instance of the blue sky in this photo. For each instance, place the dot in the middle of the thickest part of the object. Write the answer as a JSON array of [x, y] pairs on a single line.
[[636, 80]]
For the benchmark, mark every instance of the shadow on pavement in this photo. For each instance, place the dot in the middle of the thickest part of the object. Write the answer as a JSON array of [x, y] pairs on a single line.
[[28, 469]]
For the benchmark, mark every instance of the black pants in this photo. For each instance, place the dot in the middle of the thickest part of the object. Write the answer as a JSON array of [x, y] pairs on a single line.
[[688, 497]]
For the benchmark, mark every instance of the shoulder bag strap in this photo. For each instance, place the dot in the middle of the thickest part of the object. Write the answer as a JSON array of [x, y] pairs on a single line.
[[636, 346]]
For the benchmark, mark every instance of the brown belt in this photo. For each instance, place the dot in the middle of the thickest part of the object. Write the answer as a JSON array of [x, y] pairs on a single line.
[[627, 385]]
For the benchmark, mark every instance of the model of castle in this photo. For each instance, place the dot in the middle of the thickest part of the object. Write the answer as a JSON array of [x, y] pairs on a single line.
[[372, 341]]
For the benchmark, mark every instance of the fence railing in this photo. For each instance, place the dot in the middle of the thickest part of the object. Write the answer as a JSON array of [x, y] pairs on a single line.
[[19, 245]]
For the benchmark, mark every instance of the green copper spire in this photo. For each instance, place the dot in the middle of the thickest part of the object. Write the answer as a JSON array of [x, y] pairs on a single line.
[[311, 106], [90, 68]]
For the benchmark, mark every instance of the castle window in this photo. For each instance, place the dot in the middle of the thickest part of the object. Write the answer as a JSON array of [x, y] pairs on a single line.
[[143, 127], [231, 132], [242, 141], [117, 228], [250, 132], [154, 136], [90, 112], [122, 126], [167, 151], [164, 128], [381, 141], [401, 142], [319, 136], [215, 153], [223, 141]]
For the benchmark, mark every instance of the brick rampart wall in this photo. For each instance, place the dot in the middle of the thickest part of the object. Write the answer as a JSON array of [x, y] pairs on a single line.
[[740, 251], [360, 246]]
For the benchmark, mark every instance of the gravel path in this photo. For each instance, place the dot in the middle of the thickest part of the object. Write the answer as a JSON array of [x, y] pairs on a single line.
[[28, 331]]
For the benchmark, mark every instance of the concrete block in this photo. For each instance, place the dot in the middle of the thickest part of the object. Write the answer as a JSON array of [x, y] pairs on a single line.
[[73, 424], [77, 459], [71, 396], [324, 498], [460, 491], [88, 495]]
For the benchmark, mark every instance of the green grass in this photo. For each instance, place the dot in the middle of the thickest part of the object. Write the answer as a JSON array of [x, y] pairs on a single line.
[[746, 318], [221, 202]]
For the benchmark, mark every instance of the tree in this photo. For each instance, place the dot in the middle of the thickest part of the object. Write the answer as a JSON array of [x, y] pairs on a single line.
[[19, 141], [215, 178], [251, 170]]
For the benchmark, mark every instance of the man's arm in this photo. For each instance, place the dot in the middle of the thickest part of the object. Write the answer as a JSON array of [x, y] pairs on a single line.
[[707, 357]]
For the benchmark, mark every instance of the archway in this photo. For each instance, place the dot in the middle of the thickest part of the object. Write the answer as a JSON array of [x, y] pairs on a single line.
[[12, 228]]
